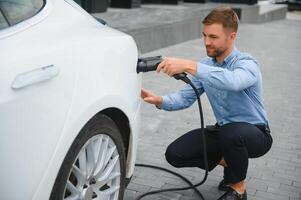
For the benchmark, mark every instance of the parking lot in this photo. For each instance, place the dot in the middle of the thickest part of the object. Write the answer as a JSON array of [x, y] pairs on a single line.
[[274, 176]]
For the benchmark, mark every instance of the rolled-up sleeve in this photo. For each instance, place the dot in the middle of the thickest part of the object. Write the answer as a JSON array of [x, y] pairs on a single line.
[[182, 99], [244, 75]]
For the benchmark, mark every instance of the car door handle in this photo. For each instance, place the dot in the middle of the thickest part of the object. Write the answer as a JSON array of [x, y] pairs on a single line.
[[35, 76]]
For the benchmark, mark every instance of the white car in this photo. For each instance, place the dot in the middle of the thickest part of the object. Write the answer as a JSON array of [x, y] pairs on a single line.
[[69, 103]]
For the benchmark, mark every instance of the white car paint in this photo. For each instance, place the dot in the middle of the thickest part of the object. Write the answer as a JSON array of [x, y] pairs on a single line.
[[96, 70]]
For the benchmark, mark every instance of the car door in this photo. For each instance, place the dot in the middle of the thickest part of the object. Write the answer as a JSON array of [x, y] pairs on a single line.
[[36, 85]]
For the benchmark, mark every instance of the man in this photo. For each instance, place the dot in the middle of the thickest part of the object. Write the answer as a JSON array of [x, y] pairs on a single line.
[[232, 82]]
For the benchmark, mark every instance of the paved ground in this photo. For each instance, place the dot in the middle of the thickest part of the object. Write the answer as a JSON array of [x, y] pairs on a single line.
[[274, 176]]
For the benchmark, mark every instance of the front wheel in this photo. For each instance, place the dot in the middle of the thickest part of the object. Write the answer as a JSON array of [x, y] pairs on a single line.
[[94, 168]]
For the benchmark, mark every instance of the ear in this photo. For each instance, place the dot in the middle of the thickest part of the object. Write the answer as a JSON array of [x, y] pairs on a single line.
[[232, 35]]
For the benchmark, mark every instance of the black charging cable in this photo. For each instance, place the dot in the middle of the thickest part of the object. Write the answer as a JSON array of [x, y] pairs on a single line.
[[150, 64]]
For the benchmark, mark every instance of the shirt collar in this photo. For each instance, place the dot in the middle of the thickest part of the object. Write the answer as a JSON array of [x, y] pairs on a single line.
[[228, 58]]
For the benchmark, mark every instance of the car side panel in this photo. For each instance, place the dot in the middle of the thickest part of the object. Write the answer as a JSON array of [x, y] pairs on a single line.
[[32, 117], [39, 122], [106, 78]]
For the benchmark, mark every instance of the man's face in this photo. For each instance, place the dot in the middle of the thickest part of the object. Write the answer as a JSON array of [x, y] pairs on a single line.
[[216, 39]]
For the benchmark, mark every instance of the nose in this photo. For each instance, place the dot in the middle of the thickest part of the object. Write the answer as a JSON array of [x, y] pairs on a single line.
[[206, 41]]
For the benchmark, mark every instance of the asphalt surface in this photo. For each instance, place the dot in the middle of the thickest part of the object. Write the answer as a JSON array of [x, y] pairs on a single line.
[[276, 175]]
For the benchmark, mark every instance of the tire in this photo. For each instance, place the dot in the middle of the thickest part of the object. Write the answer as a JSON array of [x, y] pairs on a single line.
[[100, 136]]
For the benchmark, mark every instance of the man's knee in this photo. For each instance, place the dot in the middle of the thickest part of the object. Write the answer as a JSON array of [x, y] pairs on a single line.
[[172, 158]]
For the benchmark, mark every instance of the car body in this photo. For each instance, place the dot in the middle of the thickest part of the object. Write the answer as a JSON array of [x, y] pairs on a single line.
[[60, 68]]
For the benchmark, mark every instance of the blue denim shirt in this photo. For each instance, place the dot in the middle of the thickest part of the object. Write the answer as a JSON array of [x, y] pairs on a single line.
[[233, 87]]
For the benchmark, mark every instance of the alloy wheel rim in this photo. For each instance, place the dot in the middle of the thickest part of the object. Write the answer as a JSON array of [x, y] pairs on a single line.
[[95, 174]]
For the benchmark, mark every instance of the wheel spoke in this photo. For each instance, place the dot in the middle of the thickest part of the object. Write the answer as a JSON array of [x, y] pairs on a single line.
[[109, 154], [97, 147], [97, 151], [103, 180], [101, 158], [72, 189], [80, 176], [105, 174], [115, 196], [72, 197], [91, 161], [83, 161]]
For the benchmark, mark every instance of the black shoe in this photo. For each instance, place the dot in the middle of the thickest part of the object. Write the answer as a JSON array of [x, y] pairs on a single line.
[[224, 186], [231, 194]]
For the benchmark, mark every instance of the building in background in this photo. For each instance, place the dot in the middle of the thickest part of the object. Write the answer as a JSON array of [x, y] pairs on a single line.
[[93, 6], [97, 6]]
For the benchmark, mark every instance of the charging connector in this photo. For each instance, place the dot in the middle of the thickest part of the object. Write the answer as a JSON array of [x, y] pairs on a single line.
[[148, 64]]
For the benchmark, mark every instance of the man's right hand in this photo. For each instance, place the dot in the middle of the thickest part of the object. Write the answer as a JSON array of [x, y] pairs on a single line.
[[150, 97]]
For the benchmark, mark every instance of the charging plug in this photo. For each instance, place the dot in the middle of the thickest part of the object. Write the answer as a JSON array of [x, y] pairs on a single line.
[[148, 64]]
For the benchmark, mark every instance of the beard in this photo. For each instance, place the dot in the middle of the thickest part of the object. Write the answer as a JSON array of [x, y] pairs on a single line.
[[214, 52]]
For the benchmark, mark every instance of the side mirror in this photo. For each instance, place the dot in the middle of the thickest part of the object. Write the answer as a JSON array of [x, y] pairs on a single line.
[[101, 21]]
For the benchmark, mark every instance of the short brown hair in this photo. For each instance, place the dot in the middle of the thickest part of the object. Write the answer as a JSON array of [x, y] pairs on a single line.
[[223, 15]]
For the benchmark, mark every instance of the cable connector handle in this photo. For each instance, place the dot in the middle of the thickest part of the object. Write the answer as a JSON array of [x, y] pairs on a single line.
[[148, 64], [182, 76]]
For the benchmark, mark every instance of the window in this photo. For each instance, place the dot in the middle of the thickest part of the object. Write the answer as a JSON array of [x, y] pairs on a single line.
[[15, 11], [3, 22]]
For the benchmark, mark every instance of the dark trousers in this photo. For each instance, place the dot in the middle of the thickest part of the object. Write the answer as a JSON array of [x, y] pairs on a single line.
[[235, 142]]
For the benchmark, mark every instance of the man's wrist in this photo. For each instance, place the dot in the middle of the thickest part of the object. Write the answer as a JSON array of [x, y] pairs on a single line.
[[159, 104], [191, 67]]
